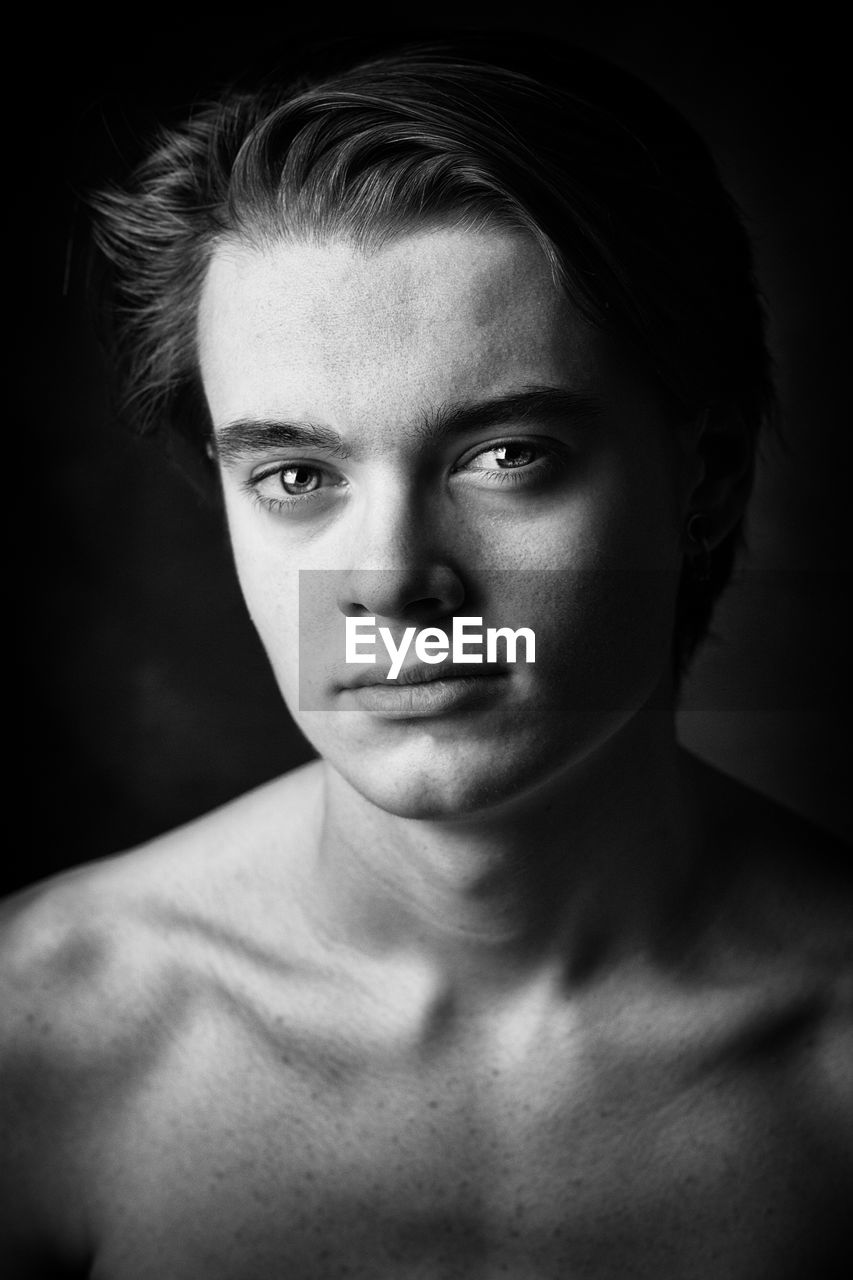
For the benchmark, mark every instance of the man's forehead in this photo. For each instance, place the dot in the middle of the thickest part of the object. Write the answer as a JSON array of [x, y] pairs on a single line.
[[487, 263], [446, 311]]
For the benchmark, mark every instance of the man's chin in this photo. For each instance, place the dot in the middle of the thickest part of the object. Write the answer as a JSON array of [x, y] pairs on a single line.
[[439, 770], [424, 801], [440, 786]]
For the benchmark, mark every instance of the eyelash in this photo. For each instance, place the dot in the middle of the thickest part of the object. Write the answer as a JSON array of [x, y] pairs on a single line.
[[288, 500], [548, 463]]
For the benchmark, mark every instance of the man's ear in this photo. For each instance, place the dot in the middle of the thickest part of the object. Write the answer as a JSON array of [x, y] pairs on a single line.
[[719, 467]]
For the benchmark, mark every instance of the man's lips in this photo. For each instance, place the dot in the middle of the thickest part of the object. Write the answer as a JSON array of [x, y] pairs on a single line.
[[421, 673]]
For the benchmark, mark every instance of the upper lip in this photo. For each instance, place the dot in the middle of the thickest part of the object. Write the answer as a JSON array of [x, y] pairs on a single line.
[[421, 673]]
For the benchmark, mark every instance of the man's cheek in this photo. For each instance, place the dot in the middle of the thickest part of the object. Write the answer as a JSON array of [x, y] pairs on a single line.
[[273, 605], [604, 637]]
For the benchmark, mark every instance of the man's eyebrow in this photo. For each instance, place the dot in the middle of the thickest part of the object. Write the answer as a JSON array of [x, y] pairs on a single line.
[[537, 404], [249, 436], [546, 405]]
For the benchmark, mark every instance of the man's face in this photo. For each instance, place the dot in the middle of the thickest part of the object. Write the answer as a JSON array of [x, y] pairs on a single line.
[[434, 431]]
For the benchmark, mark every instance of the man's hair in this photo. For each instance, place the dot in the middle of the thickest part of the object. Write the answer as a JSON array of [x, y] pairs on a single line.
[[618, 190]]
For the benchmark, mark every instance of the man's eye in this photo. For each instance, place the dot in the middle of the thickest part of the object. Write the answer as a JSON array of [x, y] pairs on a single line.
[[505, 457], [290, 484], [529, 465], [299, 479]]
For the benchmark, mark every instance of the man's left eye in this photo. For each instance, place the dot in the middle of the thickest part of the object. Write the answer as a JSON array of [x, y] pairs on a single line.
[[527, 464], [299, 479], [505, 457]]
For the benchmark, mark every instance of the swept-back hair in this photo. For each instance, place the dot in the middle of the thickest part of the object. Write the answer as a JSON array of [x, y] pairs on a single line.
[[618, 190]]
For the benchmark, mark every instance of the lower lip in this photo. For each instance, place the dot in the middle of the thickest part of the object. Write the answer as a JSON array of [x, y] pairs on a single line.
[[432, 698]]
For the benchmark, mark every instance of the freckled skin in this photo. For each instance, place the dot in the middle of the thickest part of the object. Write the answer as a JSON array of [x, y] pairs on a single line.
[[208, 1088], [528, 994], [367, 344]]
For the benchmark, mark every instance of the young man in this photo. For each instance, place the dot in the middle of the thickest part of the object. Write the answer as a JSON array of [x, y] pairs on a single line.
[[504, 983]]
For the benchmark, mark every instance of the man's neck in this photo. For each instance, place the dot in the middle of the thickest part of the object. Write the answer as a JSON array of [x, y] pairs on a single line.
[[570, 878]]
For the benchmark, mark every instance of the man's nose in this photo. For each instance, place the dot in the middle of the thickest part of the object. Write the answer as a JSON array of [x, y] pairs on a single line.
[[421, 593], [401, 567]]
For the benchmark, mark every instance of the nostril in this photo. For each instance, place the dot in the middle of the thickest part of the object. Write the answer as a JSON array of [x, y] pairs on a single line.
[[428, 607], [417, 594], [416, 611]]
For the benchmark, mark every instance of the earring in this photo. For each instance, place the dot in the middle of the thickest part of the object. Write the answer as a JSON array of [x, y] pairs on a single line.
[[700, 555]]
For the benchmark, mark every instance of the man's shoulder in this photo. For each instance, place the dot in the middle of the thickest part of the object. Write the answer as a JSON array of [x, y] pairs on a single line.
[[778, 888], [89, 957], [781, 927], [81, 978], [77, 968], [747, 825]]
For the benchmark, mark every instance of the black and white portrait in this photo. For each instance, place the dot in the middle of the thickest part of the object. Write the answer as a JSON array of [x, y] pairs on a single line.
[[437, 844]]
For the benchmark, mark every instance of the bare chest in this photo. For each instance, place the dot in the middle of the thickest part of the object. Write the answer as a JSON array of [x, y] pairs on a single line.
[[260, 1162]]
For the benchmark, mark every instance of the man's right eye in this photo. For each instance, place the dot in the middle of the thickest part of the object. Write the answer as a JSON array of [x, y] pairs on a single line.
[[299, 479], [288, 484]]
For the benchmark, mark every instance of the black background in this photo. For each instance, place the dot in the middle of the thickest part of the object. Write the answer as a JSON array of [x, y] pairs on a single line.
[[146, 697]]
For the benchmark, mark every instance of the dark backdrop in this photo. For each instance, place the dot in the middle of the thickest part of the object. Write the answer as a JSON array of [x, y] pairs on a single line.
[[147, 699]]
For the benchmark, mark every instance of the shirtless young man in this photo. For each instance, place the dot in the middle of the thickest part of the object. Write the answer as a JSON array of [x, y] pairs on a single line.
[[505, 983]]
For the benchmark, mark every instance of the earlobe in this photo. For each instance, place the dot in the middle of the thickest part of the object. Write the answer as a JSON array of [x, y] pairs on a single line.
[[698, 546], [725, 456]]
